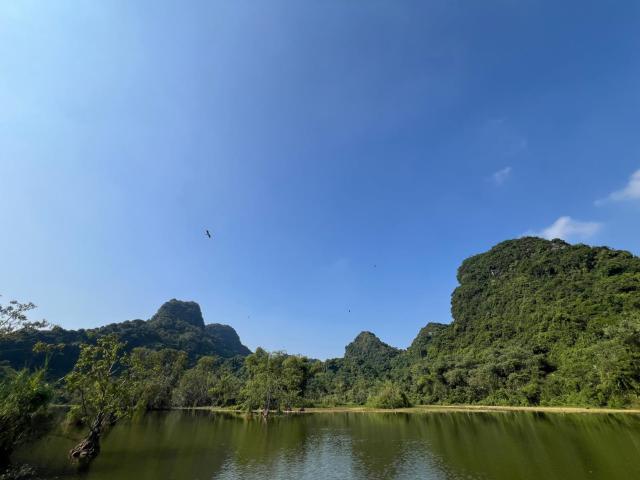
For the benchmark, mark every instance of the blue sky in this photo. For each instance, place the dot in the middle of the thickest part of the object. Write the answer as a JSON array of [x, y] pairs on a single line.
[[315, 140]]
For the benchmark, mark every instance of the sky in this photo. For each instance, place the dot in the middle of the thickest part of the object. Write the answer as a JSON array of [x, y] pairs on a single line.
[[346, 155]]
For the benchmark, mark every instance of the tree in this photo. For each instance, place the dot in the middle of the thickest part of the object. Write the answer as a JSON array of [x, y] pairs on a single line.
[[24, 396], [13, 317], [156, 375], [226, 389], [194, 388], [263, 387], [389, 396], [295, 375], [102, 384], [275, 380]]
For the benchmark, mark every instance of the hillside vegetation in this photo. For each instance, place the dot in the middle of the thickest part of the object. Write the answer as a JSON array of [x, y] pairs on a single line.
[[176, 325], [536, 322]]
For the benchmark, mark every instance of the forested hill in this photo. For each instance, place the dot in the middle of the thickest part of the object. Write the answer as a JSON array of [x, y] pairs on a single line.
[[176, 324], [535, 321], [367, 355]]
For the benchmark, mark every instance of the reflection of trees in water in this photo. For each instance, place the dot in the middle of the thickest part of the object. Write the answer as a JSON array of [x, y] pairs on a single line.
[[389, 445], [165, 445], [536, 445], [434, 446], [438, 446], [261, 440], [351, 445], [298, 446]]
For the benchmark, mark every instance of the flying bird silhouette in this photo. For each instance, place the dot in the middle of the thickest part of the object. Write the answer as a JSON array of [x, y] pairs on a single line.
[[208, 234]]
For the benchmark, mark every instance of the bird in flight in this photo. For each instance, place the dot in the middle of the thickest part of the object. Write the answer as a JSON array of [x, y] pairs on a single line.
[[207, 233]]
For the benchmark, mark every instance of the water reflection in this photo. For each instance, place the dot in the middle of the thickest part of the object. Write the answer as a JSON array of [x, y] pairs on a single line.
[[449, 446]]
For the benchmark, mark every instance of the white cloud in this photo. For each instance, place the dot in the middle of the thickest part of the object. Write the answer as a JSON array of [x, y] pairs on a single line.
[[630, 192], [567, 228], [501, 176]]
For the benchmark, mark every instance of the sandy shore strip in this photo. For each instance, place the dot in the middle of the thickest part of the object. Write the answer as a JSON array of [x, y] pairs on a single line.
[[450, 408]]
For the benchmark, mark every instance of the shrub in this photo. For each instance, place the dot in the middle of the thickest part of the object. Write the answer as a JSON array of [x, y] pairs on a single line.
[[389, 396]]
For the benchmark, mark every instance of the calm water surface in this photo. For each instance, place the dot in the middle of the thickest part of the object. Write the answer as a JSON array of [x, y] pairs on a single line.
[[452, 446]]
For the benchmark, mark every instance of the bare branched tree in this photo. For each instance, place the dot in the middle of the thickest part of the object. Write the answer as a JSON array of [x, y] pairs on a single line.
[[13, 316]]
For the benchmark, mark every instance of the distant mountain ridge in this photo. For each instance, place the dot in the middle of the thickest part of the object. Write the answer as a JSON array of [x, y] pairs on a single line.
[[177, 324], [535, 322]]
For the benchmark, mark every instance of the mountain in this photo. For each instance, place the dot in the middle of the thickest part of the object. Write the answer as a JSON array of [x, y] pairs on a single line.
[[175, 312], [535, 322], [368, 355], [418, 347], [176, 324]]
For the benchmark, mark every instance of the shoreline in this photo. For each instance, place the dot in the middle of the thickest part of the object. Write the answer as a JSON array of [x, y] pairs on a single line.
[[445, 409]]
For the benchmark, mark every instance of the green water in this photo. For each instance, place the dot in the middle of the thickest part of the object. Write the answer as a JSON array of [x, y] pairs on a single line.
[[452, 446]]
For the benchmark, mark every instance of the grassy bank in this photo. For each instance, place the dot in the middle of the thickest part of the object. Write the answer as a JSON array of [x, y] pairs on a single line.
[[451, 408]]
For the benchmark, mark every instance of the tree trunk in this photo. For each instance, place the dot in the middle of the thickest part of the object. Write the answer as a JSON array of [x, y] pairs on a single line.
[[267, 405], [89, 447]]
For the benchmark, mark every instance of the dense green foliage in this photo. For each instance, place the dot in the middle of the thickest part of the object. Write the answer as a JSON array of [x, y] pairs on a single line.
[[24, 398], [24, 395], [351, 380], [275, 381], [390, 395], [177, 325], [536, 322], [100, 383], [156, 374], [102, 389], [368, 357], [213, 381]]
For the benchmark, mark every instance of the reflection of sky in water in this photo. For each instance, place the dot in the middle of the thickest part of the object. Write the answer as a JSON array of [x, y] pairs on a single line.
[[419, 462], [324, 455], [329, 455]]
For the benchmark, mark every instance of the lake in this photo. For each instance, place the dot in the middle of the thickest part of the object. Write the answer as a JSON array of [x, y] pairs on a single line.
[[442, 445]]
